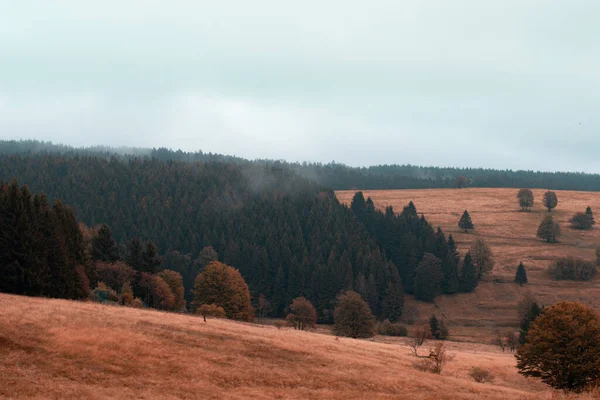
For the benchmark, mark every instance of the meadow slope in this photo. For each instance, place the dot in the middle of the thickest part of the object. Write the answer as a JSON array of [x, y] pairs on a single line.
[[511, 235], [72, 350]]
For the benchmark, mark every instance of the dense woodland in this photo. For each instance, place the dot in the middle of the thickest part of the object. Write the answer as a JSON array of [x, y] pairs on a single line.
[[288, 237], [339, 176]]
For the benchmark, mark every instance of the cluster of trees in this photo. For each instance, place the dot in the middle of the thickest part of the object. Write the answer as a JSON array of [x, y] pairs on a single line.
[[583, 220], [339, 176]]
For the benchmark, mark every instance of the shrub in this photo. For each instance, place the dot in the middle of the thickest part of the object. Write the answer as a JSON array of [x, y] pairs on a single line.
[[223, 286], [421, 334], [210, 310], [386, 328], [435, 361], [481, 375], [572, 268], [126, 294], [563, 347], [581, 221], [302, 314], [353, 317], [103, 294], [281, 324]]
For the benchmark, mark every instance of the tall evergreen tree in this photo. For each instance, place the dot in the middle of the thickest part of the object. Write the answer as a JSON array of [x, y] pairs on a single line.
[[465, 222], [468, 275], [589, 212], [134, 254], [152, 263], [521, 275], [434, 326], [428, 278], [104, 247]]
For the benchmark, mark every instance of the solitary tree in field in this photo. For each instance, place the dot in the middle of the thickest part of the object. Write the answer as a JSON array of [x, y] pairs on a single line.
[[525, 197], [549, 230], [521, 275], [588, 211], [563, 347], [482, 256], [223, 286], [581, 221], [465, 222], [550, 200], [302, 314], [352, 316]]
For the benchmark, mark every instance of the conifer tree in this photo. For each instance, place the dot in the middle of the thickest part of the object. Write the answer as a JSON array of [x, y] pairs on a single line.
[[104, 247], [134, 254], [550, 200], [434, 326], [450, 268], [589, 212], [531, 311], [521, 275], [428, 278], [150, 260], [468, 275], [393, 302], [465, 222]]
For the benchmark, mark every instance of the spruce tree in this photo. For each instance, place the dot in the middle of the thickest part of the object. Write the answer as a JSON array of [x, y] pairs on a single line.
[[532, 312], [468, 275], [450, 268], [465, 222], [134, 254], [428, 278], [589, 212], [104, 247], [434, 326], [393, 301], [521, 275], [151, 262]]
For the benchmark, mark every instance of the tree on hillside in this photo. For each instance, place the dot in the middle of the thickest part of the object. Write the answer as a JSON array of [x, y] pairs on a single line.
[[461, 182], [104, 247], [358, 204], [582, 221], [393, 302], [482, 257], [428, 278], [563, 347], [588, 211], [465, 222], [549, 230], [468, 275], [352, 316], [175, 282], [151, 262], [527, 310], [223, 286], [550, 200], [157, 293], [450, 268], [525, 197], [264, 307], [134, 254], [302, 314], [521, 275]]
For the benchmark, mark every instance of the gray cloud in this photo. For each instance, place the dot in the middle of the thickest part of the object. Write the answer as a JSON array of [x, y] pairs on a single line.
[[510, 84]]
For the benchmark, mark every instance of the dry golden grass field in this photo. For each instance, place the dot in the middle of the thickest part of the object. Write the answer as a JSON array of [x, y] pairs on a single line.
[[59, 349], [511, 235]]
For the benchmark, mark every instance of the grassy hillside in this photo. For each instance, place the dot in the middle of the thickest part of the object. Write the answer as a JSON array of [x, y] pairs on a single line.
[[66, 349], [511, 235]]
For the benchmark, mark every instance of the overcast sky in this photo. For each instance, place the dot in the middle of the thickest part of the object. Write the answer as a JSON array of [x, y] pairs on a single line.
[[505, 84]]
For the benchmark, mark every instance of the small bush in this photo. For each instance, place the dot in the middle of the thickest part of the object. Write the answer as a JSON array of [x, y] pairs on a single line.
[[104, 294], [572, 268], [581, 221], [386, 328], [481, 375], [281, 324], [435, 362]]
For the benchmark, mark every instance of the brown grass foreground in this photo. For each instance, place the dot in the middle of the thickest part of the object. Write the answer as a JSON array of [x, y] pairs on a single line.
[[64, 349], [511, 235]]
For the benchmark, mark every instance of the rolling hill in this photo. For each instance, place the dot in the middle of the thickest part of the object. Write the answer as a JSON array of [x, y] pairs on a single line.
[[70, 350], [511, 235]]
